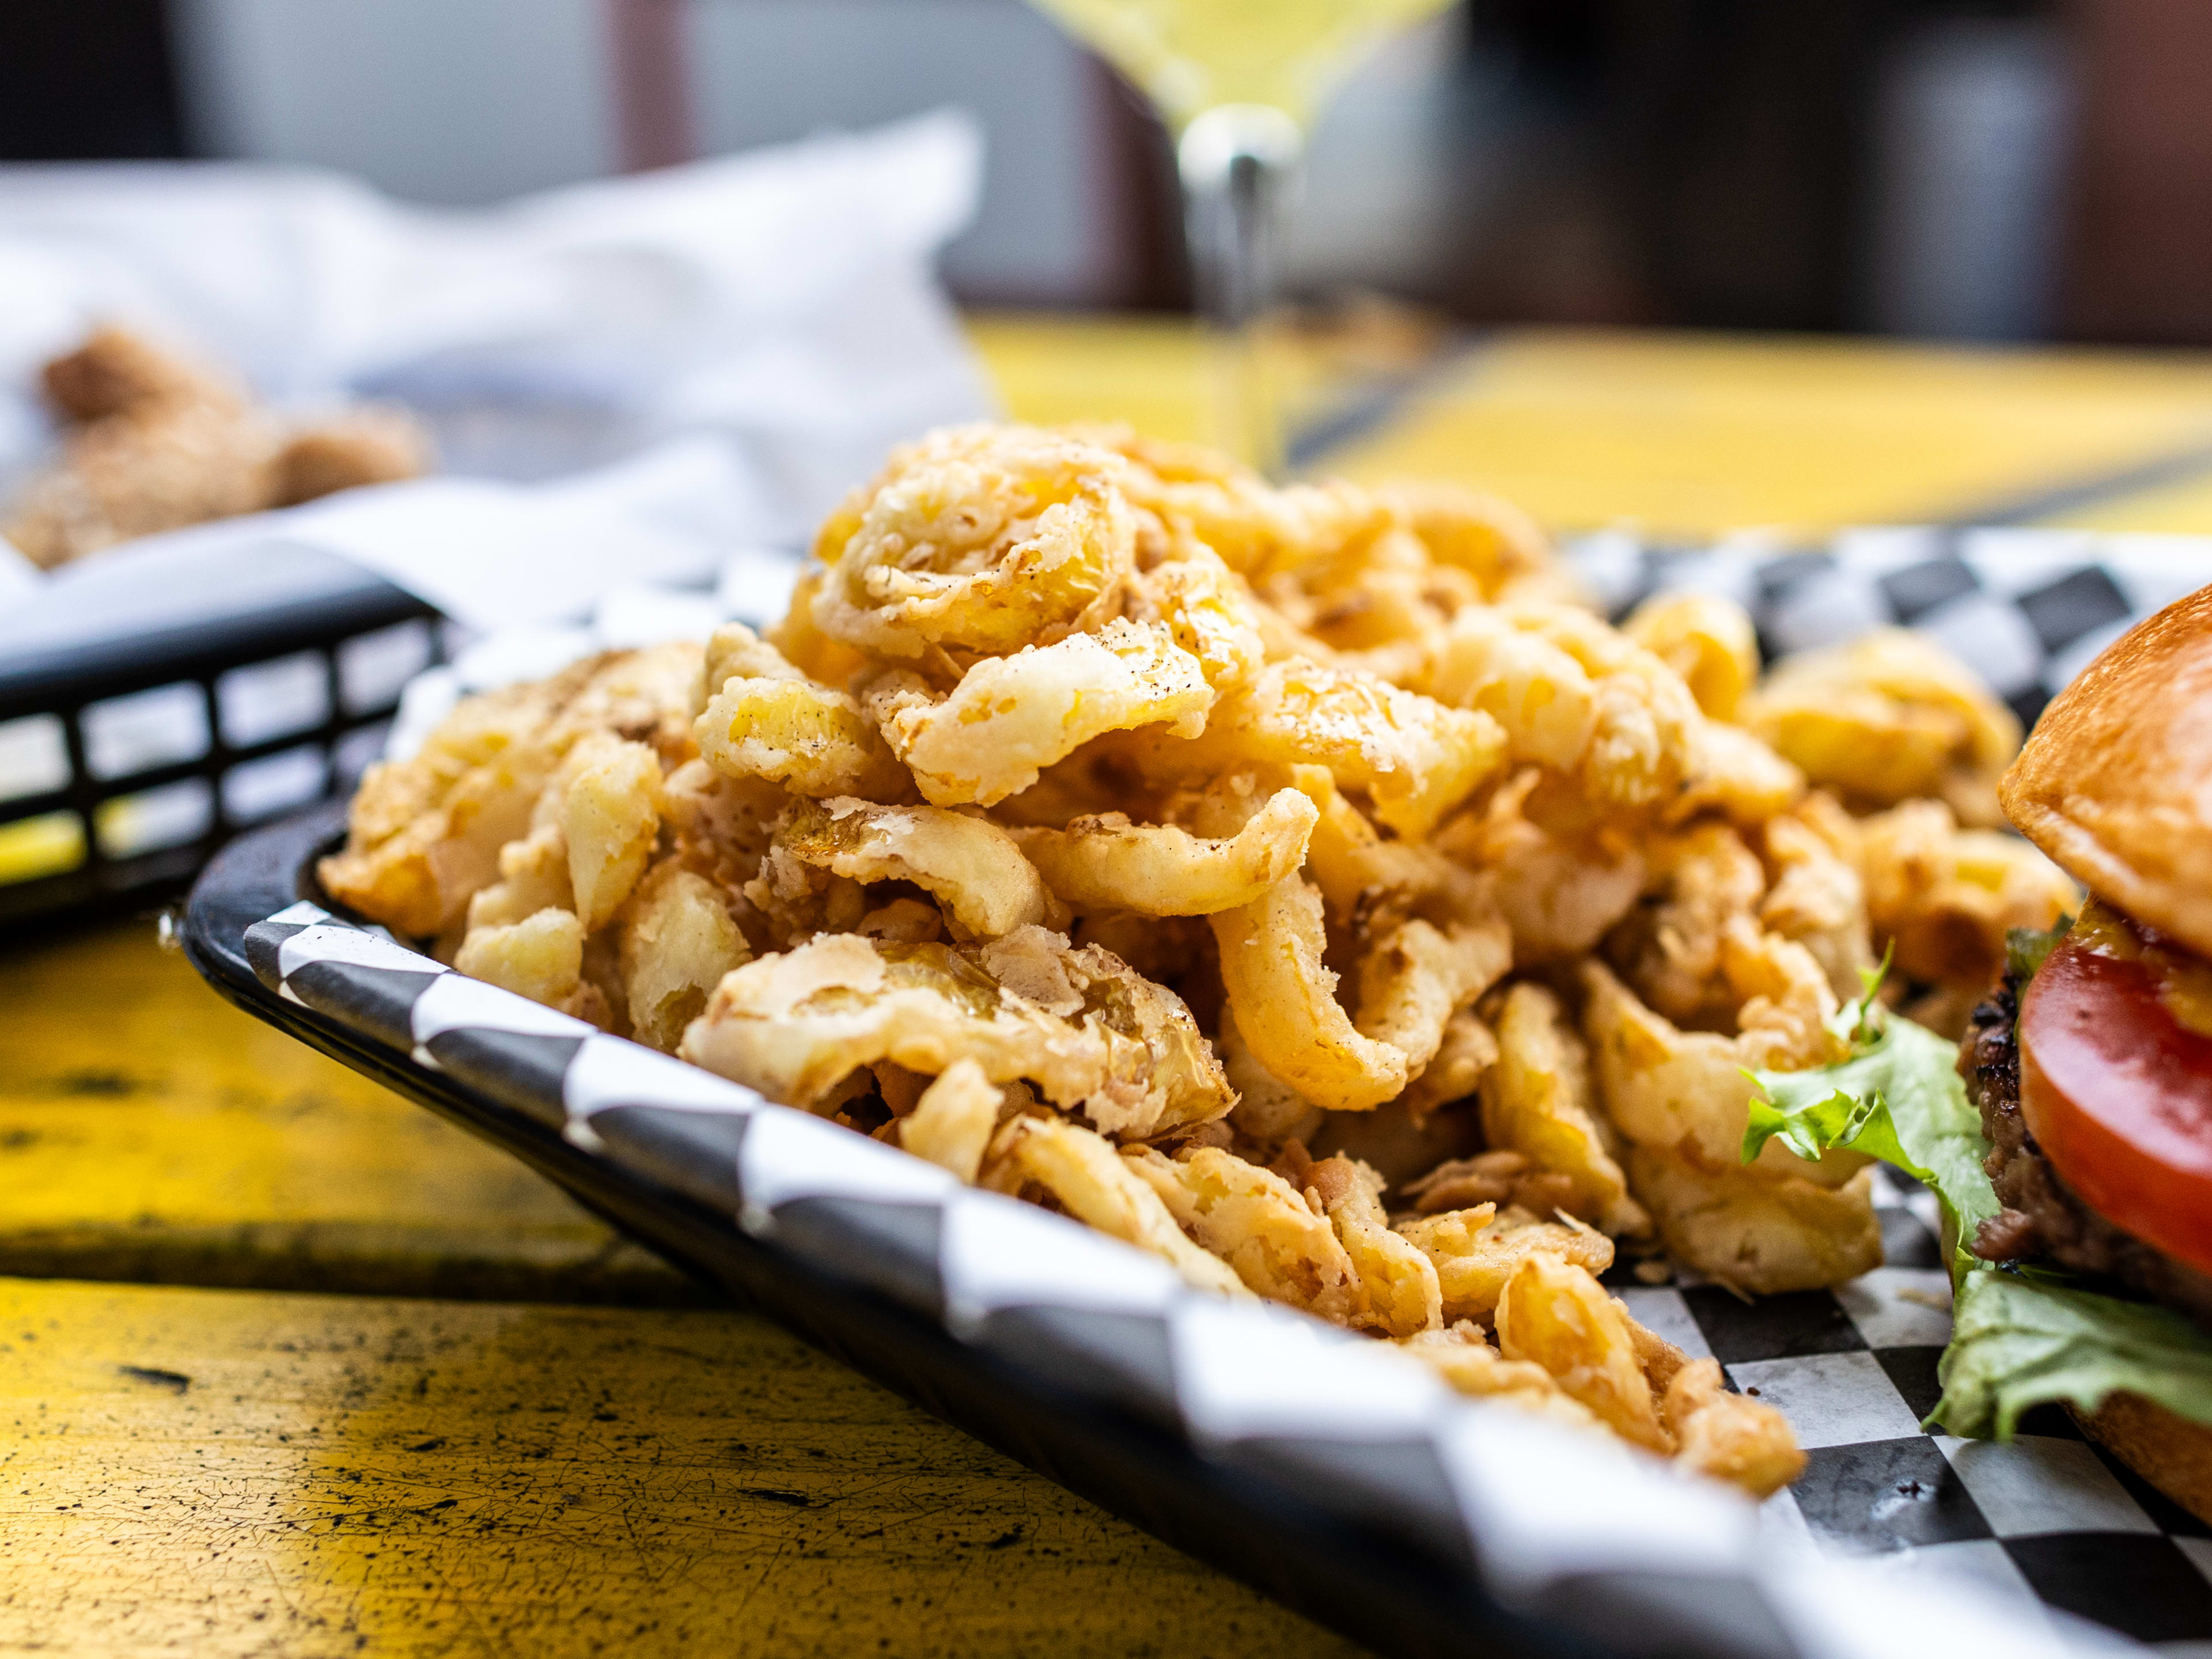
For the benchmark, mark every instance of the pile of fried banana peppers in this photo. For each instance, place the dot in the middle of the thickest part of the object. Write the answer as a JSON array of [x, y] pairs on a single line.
[[1298, 882]]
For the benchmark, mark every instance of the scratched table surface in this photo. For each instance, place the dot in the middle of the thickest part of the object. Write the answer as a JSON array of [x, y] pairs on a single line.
[[289, 1366]]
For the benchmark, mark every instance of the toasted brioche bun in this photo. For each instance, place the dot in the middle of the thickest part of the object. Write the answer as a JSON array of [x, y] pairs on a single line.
[[2115, 784], [2172, 1452]]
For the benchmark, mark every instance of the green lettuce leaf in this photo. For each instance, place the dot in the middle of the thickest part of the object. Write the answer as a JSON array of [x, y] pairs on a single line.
[[2023, 1337], [2020, 1337], [1899, 1097]]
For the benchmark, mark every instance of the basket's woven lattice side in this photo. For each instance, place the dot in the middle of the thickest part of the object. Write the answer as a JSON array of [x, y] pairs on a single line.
[[121, 783]]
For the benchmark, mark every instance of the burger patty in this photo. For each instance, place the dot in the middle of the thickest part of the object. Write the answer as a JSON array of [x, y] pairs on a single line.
[[2041, 1216]]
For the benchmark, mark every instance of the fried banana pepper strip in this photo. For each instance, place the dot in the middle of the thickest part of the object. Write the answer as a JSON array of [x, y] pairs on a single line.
[[1283, 998], [981, 538], [1412, 757], [1105, 862], [1010, 717], [1088, 1032], [1096, 1185], [974, 869]]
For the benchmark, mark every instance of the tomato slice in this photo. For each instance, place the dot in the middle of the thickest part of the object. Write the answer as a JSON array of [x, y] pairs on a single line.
[[2119, 1093]]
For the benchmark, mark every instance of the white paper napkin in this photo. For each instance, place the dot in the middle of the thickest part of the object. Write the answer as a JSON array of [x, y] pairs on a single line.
[[782, 301]]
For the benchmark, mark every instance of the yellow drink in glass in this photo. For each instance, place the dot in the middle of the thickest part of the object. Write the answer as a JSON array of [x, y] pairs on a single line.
[[1238, 82], [1188, 56]]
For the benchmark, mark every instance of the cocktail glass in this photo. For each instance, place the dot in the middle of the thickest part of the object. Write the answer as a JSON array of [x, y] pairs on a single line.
[[1237, 82]]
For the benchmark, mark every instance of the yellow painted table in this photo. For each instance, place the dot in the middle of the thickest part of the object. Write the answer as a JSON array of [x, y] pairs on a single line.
[[394, 1471], [1690, 435], [289, 1366]]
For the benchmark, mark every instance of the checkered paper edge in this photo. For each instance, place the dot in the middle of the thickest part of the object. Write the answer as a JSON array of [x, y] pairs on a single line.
[[1576, 1532]]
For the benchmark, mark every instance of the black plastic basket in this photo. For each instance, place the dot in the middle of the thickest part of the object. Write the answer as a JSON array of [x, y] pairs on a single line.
[[269, 672], [1342, 1479]]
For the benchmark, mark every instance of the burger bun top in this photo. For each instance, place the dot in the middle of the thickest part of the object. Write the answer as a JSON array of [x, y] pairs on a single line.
[[2115, 783]]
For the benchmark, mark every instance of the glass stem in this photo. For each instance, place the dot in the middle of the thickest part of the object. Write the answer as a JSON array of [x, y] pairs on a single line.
[[1238, 163]]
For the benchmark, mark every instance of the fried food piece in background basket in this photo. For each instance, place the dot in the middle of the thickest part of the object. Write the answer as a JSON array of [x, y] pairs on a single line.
[[151, 442], [116, 372], [1294, 883], [346, 451]]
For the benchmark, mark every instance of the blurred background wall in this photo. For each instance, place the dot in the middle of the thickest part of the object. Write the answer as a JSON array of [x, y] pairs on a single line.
[[1978, 169]]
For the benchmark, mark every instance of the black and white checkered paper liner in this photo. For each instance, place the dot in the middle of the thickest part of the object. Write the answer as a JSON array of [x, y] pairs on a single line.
[[1567, 1528], [2026, 609]]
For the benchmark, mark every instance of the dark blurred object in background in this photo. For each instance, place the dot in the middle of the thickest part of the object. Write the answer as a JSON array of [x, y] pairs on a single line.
[[1969, 169], [1972, 122], [1722, 145], [1895, 165], [87, 80], [1737, 135], [1892, 165], [2139, 253]]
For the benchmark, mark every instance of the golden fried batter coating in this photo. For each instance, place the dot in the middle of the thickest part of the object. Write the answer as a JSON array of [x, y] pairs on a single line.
[[1886, 718], [1259, 1223], [811, 738], [1708, 641], [1756, 1230], [1465, 1359], [1011, 717], [1096, 1185], [540, 956], [1403, 1295], [974, 869], [1943, 897], [1539, 1100], [1476, 1251], [1413, 757], [951, 1123], [1090, 1035], [425, 833], [1554, 1314], [1105, 862], [1284, 997], [677, 943], [979, 538]]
